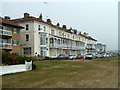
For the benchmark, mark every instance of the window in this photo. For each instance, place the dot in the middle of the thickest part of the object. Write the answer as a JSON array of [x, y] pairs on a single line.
[[39, 27], [46, 40], [43, 51], [14, 42], [4, 28], [27, 27], [27, 51], [14, 30], [4, 41], [73, 37], [63, 34], [68, 35], [43, 39], [0, 40], [44, 28], [59, 33], [27, 37], [52, 31]]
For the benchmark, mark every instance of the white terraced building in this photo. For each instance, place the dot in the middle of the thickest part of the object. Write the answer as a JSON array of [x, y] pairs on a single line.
[[101, 48], [40, 38]]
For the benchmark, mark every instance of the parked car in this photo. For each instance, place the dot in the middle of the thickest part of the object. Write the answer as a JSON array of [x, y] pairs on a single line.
[[79, 56], [89, 56], [72, 57], [102, 55], [63, 56], [105, 55], [114, 55], [98, 56]]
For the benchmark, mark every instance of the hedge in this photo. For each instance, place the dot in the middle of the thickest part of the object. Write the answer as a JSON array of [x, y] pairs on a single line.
[[13, 59]]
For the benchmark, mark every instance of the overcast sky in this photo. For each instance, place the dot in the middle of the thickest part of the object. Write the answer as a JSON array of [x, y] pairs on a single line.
[[99, 19]]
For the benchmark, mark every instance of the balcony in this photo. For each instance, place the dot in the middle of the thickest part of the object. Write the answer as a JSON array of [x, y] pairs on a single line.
[[67, 46], [5, 34], [5, 46]]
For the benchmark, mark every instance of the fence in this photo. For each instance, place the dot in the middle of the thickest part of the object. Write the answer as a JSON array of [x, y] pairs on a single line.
[[16, 68]]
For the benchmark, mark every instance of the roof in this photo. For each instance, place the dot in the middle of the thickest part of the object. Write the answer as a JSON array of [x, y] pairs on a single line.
[[8, 22], [37, 19], [91, 38]]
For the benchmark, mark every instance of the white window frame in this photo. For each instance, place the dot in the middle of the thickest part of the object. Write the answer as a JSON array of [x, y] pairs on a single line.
[[15, 30], [52, 31], [15, 42]]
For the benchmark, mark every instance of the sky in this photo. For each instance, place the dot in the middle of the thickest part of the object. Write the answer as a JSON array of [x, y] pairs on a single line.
[[98, 19]]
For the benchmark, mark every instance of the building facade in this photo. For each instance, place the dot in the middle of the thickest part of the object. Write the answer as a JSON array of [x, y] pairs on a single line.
[[9, 35], [40, 38], [101, 48]]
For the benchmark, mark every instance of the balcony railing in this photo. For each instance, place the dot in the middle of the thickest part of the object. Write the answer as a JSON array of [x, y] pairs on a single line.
[[67, 46], [5, 46], [5, 32]]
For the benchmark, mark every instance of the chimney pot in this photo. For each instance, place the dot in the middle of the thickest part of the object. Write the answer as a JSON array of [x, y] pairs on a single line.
[[7, 17], [58, 24], [40, 17], [85, 34], [64, 26], [49, 21], [26, 15]]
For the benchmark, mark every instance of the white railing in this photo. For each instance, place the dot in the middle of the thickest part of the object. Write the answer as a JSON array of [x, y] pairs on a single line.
[[65, 46], [5, 46], [5, 32]]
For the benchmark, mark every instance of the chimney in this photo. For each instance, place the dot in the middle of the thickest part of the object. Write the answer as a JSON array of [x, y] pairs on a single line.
[[40, 17], [7, 18], [85, 34], [26, 15], [49, 21], [64, 26], [75, 31], [58, 24]]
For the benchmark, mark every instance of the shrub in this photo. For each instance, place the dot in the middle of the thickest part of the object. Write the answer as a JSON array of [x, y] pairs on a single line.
[[46, 58], [12, 58], [34, 59]]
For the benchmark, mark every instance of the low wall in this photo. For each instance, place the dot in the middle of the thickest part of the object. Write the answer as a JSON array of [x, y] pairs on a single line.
[[15, 68]]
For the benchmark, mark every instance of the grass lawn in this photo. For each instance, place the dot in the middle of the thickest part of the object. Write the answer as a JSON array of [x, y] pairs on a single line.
[[97, 73]]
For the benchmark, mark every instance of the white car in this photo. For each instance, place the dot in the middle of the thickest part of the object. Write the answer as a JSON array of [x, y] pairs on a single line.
[[105, 55], [89, 56], [98, 56], [72, 57]]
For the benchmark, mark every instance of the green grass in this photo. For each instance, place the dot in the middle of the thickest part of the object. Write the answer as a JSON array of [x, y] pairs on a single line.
[[98, 73]]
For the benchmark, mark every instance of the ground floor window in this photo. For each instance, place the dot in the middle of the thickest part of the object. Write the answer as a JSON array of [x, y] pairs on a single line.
[[27, 51], [43, 52]]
